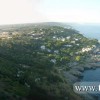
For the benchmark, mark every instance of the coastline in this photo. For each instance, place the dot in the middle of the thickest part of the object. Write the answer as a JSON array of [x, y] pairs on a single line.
[[75, 74], [76, 71]]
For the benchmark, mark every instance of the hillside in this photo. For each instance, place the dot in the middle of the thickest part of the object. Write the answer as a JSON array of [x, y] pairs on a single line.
[[33, 58]]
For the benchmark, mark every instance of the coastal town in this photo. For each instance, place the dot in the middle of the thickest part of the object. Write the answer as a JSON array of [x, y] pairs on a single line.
[[50, 58]]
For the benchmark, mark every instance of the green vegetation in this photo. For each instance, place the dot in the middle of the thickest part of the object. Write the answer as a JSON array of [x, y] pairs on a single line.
[[33, 58]]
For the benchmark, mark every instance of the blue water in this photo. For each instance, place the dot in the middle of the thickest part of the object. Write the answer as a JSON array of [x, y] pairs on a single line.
[[91, 75], [88, 30]]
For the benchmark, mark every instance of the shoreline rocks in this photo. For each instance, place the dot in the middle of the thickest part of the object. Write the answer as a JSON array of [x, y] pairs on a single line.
[[75, 74]]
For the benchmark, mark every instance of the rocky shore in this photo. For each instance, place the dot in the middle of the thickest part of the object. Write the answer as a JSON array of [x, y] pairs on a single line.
[[75, 74]]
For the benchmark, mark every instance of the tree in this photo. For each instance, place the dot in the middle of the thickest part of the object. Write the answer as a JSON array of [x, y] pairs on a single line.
[[78, 58]]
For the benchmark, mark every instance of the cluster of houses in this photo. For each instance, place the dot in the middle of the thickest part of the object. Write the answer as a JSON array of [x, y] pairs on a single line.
[[43, 48], [4, 35], [87, 49], [7, 35], [36, 36]]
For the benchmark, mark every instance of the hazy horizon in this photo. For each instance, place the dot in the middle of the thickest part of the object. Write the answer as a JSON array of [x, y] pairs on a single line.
[[36, 11]]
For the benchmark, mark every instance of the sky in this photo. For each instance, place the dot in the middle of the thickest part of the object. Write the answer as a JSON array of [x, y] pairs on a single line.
[[32, 11]]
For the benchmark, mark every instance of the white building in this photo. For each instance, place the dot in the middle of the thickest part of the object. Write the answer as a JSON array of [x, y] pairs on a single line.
[[54, 37], [68, 45], [76, 39], [77, 44], [86, 49], [73, 42], [53, 61], [63, 39], [43, 47], [48, 50], [68, 37], [56, 51]]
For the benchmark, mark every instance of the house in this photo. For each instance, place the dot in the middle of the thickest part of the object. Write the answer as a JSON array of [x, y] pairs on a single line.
[[48, 50], [77, 44], [63, 39], [33, 34], [73, 42], [76, 39], [76, 53], [36, 38], [43, 47], [53, 61], [68, 37], [68, 45], [86, 49], [54, 37], [15, 33], [62, 31], [41, 29], [56, 51], [42, 33], [4, 34], [9, 37], [27, 85], [94, 46]]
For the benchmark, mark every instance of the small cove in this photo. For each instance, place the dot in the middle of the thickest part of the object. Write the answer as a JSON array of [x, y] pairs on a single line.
[[91, 75]]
